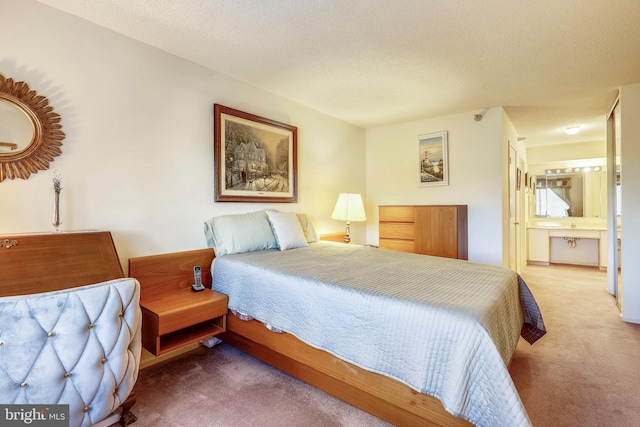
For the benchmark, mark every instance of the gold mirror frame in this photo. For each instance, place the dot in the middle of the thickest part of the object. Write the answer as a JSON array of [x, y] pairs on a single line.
[[47, 136]]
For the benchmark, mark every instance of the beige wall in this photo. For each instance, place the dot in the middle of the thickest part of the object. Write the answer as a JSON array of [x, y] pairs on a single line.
[[138, 155], [568, 152], [475, 175]]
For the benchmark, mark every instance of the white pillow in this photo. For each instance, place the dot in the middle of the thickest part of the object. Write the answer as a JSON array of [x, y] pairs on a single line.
[[307, 228], [232, 234], [287, 230]]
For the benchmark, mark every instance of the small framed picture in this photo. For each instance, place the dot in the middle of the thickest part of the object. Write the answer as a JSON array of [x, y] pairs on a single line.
[[433, 161]]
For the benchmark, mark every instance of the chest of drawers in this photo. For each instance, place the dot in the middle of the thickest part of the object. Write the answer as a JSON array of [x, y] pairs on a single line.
[[438, 230]]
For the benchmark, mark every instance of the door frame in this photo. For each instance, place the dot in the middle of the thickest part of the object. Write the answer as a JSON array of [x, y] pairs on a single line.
[[516, 210]]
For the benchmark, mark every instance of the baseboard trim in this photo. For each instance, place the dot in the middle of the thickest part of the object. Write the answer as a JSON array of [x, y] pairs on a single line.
[[529, 262]]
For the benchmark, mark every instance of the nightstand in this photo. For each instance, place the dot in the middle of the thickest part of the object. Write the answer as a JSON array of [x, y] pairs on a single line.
[[173, 315], [333, 237], [182, 317]]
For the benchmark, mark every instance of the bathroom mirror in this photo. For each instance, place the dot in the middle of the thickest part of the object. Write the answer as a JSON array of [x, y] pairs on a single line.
[[560, 195], [30, 132], [570, 192]]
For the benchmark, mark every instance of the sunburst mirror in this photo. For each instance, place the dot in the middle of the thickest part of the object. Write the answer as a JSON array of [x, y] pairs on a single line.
[[30, 132]]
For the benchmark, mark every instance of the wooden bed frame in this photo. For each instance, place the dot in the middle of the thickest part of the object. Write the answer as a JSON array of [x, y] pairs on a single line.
[[381, 396]]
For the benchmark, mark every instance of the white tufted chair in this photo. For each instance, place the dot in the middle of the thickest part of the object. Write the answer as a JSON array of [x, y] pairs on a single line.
[[78, 346]]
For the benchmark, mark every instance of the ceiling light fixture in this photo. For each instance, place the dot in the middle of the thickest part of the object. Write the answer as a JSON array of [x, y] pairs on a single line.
[[572, 170], [572, 130]]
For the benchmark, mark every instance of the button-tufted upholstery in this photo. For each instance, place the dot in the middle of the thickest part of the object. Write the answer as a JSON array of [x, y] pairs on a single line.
[[78, 346]]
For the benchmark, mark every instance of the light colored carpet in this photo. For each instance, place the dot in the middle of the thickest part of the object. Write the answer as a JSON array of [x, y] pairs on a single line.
[[585, 372], [223, 386]]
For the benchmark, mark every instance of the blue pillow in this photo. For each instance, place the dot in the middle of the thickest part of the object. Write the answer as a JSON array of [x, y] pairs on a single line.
[[237, 233]]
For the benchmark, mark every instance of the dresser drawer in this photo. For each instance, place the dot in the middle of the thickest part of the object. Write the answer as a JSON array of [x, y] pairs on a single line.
[[191, 316], [397, 245], [397, 231], [396, 213]]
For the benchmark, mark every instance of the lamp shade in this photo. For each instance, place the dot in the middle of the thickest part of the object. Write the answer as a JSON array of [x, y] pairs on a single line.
[[349, 207]]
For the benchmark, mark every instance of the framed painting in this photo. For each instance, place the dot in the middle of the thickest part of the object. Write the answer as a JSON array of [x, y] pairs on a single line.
[[434, 164], [256, 158]]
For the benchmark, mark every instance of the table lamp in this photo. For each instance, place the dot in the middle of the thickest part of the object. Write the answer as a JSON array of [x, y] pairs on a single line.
[[349, 208]]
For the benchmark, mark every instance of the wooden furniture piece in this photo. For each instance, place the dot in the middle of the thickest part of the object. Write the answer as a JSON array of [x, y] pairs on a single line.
[[439, 230], [44, 262], [333, 237], [173, 315]]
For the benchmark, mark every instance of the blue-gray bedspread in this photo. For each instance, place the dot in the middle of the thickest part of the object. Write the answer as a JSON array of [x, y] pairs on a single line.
[[444, 327]]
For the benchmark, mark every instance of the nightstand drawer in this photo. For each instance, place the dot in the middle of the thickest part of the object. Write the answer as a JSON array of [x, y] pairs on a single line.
[[191, 316]]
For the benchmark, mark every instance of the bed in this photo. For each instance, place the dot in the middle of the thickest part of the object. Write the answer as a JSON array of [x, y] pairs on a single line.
[[413, 339]]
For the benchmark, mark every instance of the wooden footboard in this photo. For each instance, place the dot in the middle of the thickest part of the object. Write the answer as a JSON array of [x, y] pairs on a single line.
[[374, 393]]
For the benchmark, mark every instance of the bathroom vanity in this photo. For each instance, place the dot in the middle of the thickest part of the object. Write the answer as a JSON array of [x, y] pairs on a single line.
[[567, 241]]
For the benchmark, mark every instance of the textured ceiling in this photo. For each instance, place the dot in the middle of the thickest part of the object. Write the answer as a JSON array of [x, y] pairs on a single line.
[[550, 63]]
